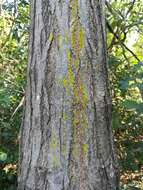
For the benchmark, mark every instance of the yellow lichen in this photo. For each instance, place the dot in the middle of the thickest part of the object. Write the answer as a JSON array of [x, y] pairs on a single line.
[[74, 84], [85, 149], [55, 161], [60, 40], [81, 37], [54, 145], [53, 142], [70, 77], [77, 37], [50, 38], [68, 55], [64, 82], [65, 116]]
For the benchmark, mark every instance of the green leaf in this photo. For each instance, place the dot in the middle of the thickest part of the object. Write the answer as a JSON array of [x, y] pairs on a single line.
[[3, 156]]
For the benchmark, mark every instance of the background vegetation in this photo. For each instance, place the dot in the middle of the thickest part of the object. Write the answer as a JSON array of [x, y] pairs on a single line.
[[125, 51]]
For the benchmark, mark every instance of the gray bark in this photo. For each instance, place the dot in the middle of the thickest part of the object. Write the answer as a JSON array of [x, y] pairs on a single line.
[[66, 138]]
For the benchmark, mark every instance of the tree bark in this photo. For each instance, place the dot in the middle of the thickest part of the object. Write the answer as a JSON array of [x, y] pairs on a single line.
[[66, 137]]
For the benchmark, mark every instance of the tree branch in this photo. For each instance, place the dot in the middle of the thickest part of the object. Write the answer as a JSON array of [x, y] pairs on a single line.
[[121, 42]]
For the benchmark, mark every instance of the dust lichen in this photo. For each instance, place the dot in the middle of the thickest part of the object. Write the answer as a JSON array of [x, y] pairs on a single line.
[[76, 83], [54, 145]]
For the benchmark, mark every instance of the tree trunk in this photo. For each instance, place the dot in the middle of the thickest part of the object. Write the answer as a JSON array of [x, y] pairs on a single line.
[[66, 138]]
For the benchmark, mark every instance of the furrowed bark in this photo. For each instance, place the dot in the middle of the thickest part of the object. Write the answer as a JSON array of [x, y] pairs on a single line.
[[66, 138]]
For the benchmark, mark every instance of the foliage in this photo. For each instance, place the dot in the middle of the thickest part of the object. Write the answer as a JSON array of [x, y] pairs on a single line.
[[124, 23], [13, 57]]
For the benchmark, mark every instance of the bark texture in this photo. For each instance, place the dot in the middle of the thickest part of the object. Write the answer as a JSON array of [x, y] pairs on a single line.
[[66, 138]]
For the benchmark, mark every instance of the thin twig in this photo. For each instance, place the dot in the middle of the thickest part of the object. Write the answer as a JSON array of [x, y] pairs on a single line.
[[121, 42]]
